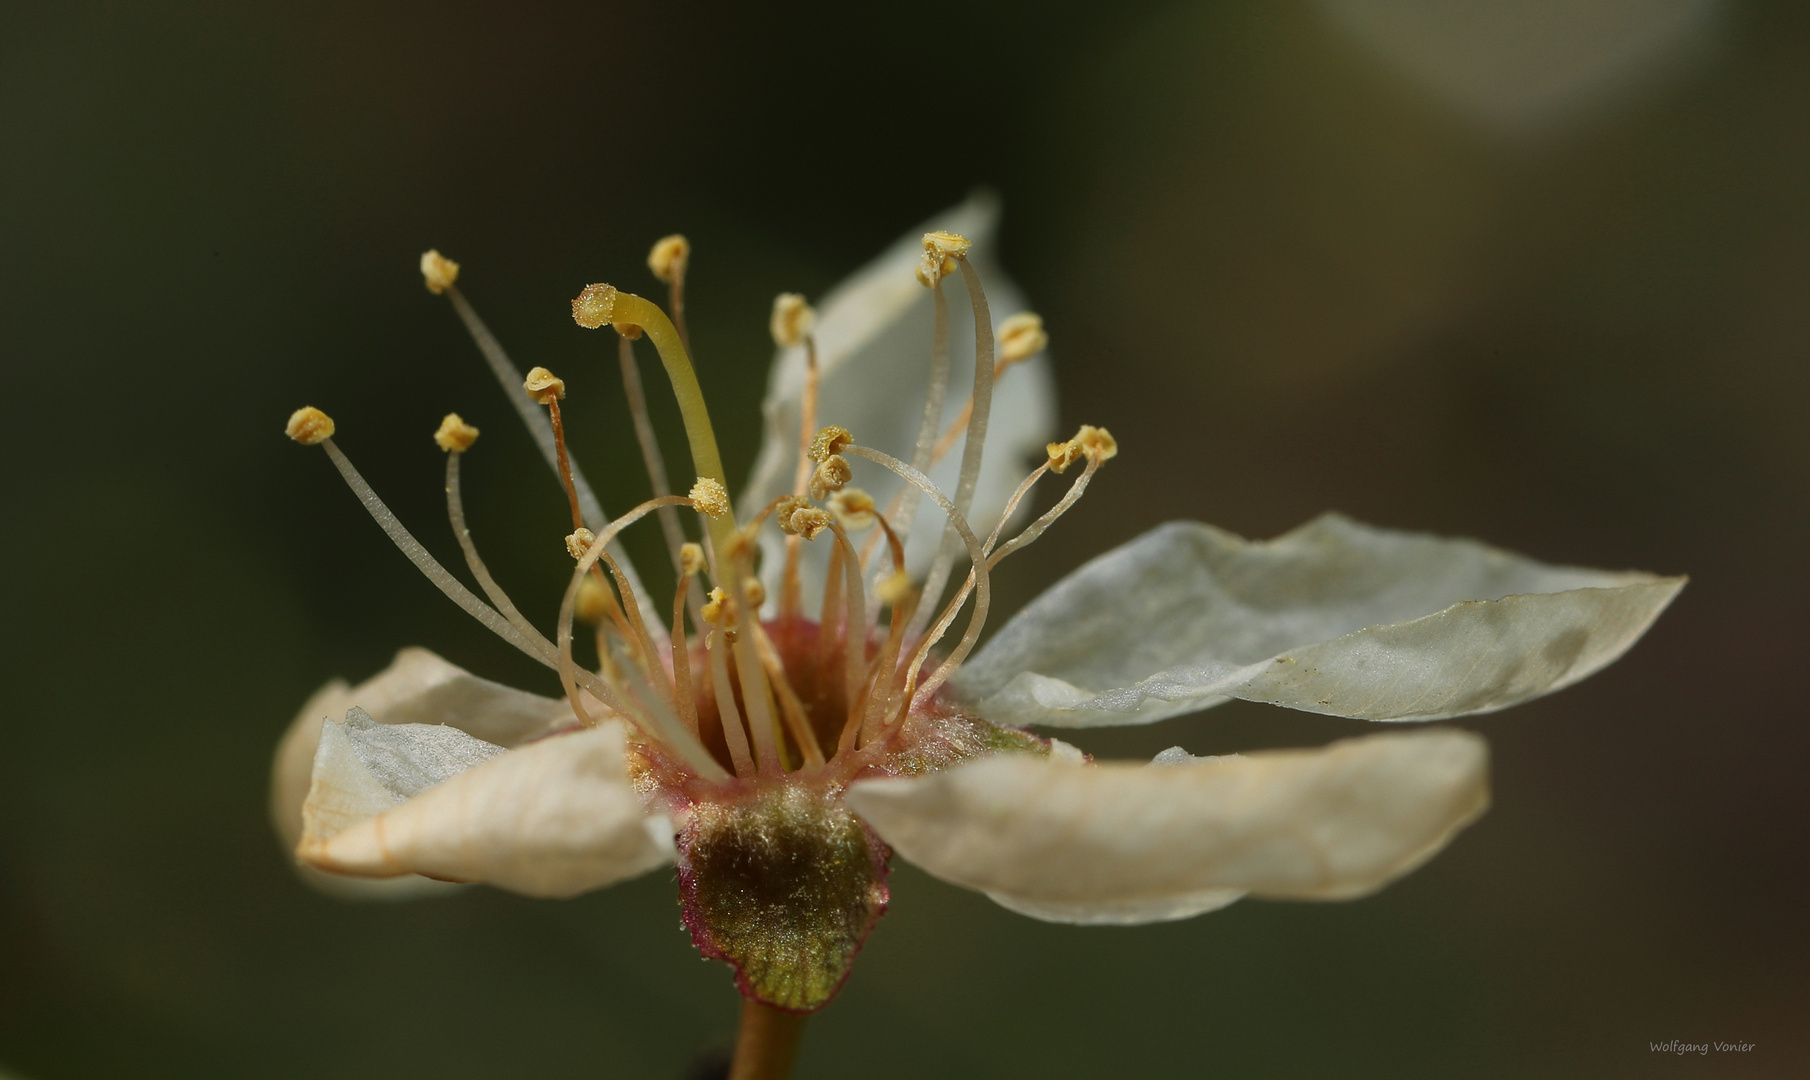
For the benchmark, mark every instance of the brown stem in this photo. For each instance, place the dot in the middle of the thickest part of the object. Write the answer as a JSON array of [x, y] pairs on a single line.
[[767, 1043]]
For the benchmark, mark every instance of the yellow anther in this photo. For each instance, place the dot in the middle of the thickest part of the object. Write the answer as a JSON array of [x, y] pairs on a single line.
[[1063, 454], [951, 245], [719, 610], [782, 513], [1021, 337], [594, 306], [594, 600], [580, 542], [544, 386], [438, 271], [691, 559], [854, 508], [830, 476], [933, 267], [1090, 442], [829, 441], [455, 434], [669, 257], [792, 319], [894, 589], [710, 497], [808, 522], [754, 592], [308, 425], [1097, 442], [941, 250]]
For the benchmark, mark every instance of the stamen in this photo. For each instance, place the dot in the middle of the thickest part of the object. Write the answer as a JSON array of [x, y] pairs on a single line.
[[661, 723], [524, 637], [895, 591], [669, 259], [903, 510], [1024, 488], [833, 610], [981, 399], [792, 322], [854, 634], [596, 601], [438, 271], [832, 474], [578, 541], [855, 509], [723, 612], [1020, 338], [1099, 447], [543, 386], [455, 513], [983, 594], [637, 627], [1102, 448], [731, 719], [546, 388], [1090, 442], [438, 274], [691, 559], [756, 693], [894, 588], [881, 682], [454, 434], [510, 378], [309, 426], [828, 442]]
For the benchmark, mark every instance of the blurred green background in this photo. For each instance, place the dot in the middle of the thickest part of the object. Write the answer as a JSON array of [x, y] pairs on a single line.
[[1544, 282]]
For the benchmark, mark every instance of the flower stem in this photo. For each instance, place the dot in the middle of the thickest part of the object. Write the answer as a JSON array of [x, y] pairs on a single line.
[[767, 1043]]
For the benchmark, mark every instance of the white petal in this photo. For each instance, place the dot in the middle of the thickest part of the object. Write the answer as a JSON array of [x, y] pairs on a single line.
[[417, 688], [874, 333], [363, 768], [554, 818], [291, 775], [292, 770], [1121, 842], [1334, 617], [1120, 913]]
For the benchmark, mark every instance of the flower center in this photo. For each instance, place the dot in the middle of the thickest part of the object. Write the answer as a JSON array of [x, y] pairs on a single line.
[[738, 695]]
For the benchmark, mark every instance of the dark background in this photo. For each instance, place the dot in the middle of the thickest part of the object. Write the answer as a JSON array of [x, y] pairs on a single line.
[[1289, 274]]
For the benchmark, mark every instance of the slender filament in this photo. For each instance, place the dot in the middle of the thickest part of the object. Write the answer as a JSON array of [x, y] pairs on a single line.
[[982, 407]]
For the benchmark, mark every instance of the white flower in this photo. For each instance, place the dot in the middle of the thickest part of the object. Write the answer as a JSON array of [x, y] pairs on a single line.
[[782, 809]]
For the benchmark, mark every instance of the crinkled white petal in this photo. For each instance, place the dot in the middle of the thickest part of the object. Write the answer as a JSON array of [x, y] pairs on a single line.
[[874, 336], [417, 688], [1335, 617], [363, 768], [553, 818], [1127, 843]]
